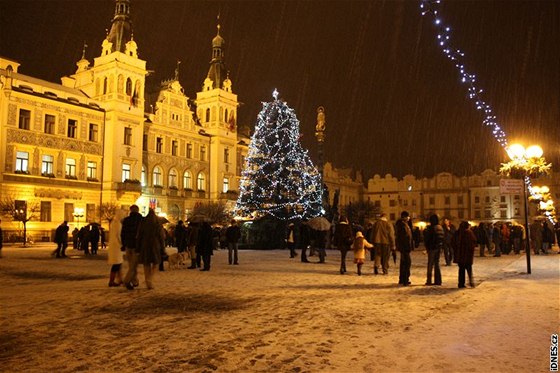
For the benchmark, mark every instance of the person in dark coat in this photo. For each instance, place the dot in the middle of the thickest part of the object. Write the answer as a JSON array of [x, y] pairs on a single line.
[[61, 240], [83, 239], [547, 239], [321, 244], [94, 236], [343, 239], [180, 236], [75, 242], [129, 232], [192, 244], [482, 239], [233, 234], [151, 245], [464, 242], [205, 247], [303, 240], [405, 244], [433, 240]]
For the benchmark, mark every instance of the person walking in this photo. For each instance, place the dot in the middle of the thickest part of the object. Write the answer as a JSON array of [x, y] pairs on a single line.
[[61, 240], [359, 247], [433, 240], [115, 249], [291, 240], [405, 244], [303, 240], [448, 232], [205, 247], [383, 239], [151, 245], [482, 239], [464, 242], [129, 232], [233, 234], [343, 239]]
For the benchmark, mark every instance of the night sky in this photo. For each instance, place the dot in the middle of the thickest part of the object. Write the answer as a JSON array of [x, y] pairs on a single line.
[[393, 101]]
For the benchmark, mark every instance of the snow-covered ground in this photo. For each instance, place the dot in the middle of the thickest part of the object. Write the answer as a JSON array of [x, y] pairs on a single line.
[[275, 314]]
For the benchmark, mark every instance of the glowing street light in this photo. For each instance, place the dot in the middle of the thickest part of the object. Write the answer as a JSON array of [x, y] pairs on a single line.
[[78, 213], [526, 163]]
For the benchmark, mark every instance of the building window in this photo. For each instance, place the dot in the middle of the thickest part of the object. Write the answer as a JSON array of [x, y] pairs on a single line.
[[201, 182], [487, 214], [189, 150], [487, 199], [125, 171], [461, 214], [92, 170], [413, 202], [143, 176], [488, 182], [208, 115], [173, 178], [128, 87], [503, 214], [203, 153], [392, 203], [432, 200], [405, 202], [226, 155], [226, 185], [517, 197], [47, 165], [187, 180], [477, 214], [90, 212], [502, 199], [174, 147], [476, 199], [159, 145], [69, 211], [49, 124], [516, 211], [72, 128], [377, 204], [24, 119], [93, 132], [459, 200], [22, 162], [145, 142], [156, 177], [45, 211], [447, 200], [70, 167], [392, 216], [128, 136]]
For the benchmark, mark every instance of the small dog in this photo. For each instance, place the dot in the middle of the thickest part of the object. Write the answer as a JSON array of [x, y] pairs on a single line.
[[174, 260]]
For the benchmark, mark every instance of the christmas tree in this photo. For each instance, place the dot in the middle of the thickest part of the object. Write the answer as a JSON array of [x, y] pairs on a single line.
[[279, 178]]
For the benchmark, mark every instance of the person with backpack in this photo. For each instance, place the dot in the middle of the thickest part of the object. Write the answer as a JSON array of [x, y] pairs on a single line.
[[433, 240]]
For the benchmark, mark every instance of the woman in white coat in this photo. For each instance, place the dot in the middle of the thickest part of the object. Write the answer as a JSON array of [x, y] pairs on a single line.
[[115, 254]]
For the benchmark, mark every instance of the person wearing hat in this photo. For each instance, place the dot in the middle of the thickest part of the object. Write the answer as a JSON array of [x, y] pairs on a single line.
[[359, 247], [404, 244]]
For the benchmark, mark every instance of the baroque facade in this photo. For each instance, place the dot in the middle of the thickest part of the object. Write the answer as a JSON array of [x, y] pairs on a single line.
[[96, 141]]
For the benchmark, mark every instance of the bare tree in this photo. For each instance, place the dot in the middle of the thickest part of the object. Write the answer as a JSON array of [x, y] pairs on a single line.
[[361, 212], [108, 210], [22, 211], [216, 212]]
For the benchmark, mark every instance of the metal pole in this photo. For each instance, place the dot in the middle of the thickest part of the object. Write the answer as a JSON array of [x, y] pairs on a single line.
[[527, 245]]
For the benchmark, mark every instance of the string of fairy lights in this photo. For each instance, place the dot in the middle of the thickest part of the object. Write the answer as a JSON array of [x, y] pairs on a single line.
[[475, 94], [279, 177]]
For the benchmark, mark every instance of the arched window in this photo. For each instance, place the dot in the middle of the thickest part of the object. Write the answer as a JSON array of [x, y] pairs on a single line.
[[128, 86], [143, 176], [226, 118], [120, 84], [156, 177], [226, 185], [207, 115], [97, 87], [201, 182], [105, 85], [187, 180], [172, 178]]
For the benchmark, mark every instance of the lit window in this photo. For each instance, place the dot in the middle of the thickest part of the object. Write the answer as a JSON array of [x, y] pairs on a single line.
[[143, 176], [173, 178], [47, 165], [189, 151], [70, 167], [187, 180], [72, 128], [92, 170], [156, 177], [201, 182], [159, 145], [128, 136], [22, 162], [93, 132], [226, 185], [203, 153], [174, 147], [125, 171]]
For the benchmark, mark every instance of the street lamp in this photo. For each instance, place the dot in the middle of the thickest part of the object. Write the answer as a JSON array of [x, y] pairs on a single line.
[[78, 213], [525, 164]]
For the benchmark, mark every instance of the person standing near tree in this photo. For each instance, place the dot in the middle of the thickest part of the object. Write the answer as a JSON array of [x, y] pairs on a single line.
[[464, 242], [433, 240], [343, 239], [405, 244], [233, 234], [61, 240]]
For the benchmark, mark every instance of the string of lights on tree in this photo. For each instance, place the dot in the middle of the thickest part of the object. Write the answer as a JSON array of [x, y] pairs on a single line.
[[431, 8], [279, 178]]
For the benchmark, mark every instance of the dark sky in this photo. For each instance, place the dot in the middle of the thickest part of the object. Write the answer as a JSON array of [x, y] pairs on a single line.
[[393, 102]]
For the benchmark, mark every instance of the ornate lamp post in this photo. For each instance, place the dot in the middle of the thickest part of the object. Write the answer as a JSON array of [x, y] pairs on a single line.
[[525, 164], [320, 135], [78, 213]]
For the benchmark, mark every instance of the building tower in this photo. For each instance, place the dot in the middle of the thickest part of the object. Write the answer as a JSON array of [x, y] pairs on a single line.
[[117, 80], [217, 112]]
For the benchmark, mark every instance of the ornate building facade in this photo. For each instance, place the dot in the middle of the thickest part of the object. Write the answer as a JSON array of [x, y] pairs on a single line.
[[68, 151]]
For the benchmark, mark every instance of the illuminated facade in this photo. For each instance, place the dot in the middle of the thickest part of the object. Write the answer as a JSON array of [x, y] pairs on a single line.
[[96, 141]]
